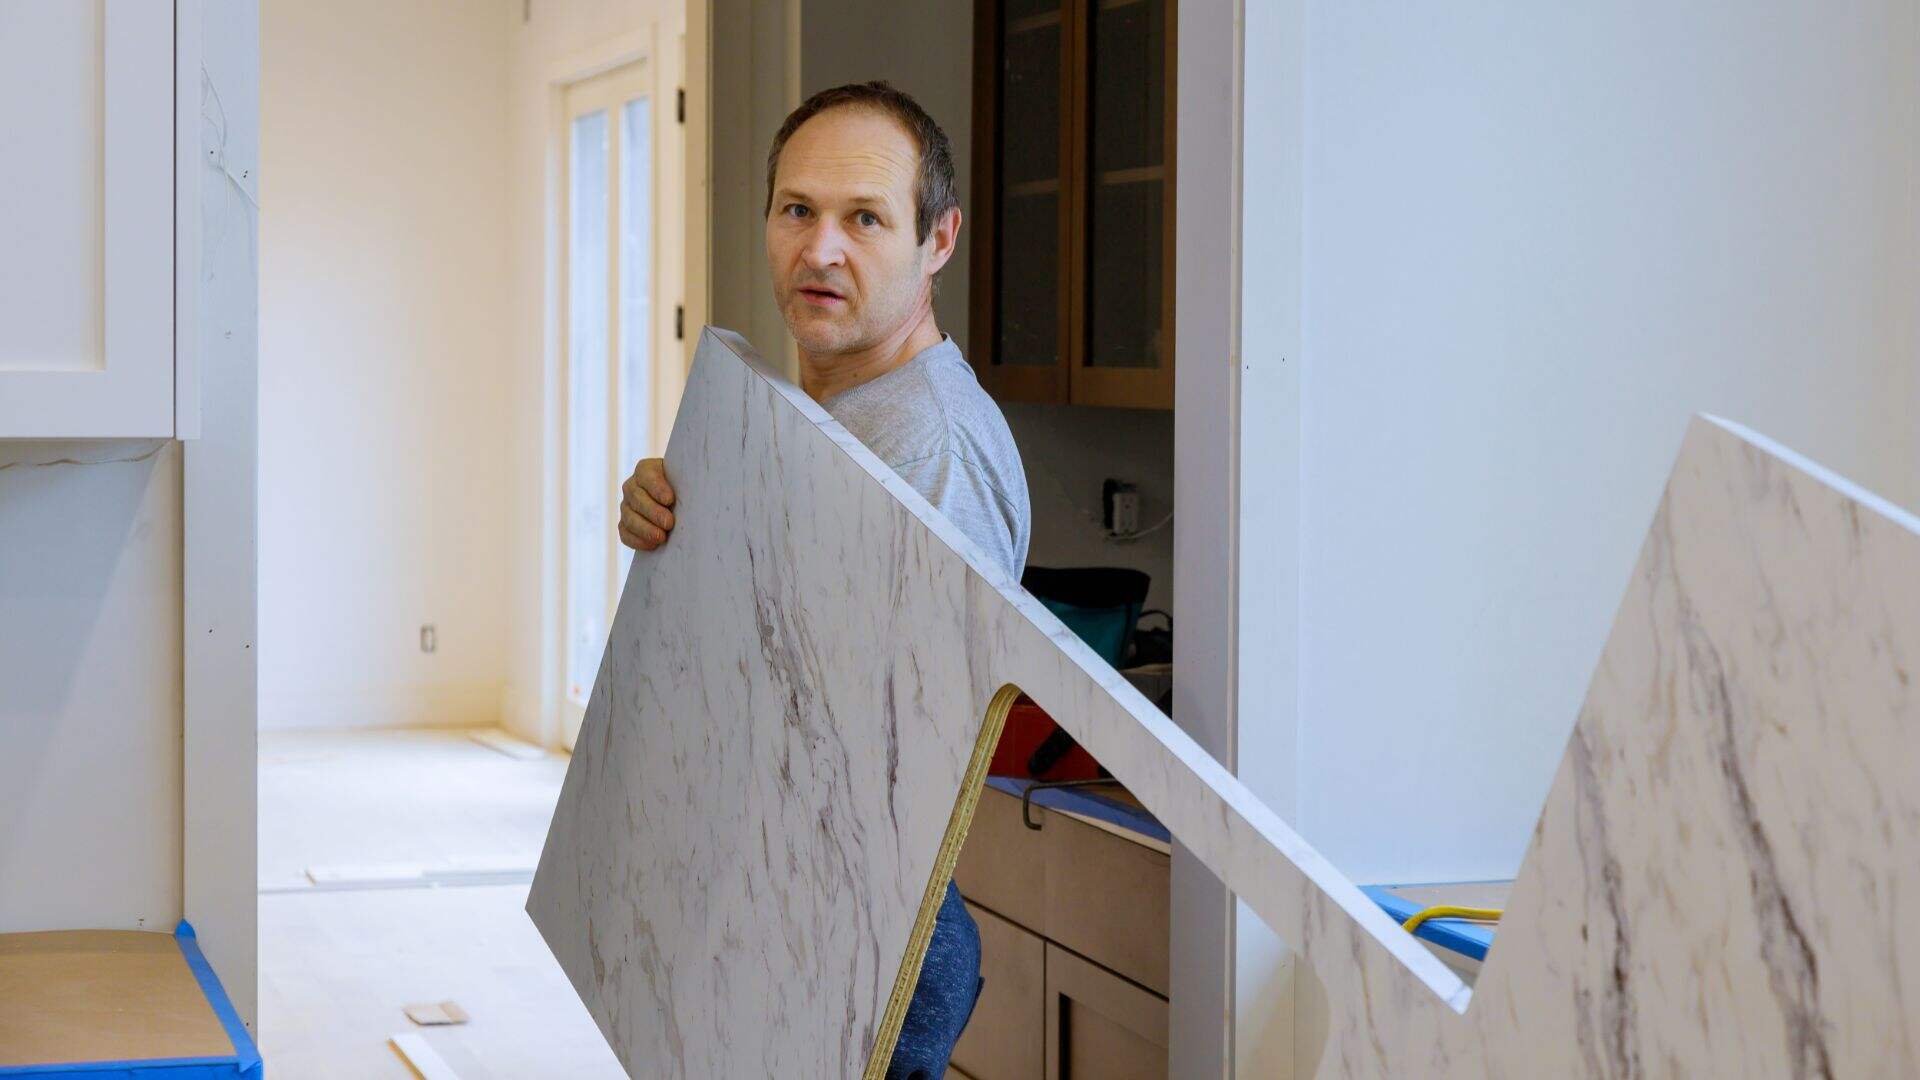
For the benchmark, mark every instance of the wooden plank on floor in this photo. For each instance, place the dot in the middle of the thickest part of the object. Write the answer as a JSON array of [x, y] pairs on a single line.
[[420, 1054]]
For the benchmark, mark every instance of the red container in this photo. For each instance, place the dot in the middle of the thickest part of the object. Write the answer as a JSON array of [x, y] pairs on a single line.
[[1028, 725]]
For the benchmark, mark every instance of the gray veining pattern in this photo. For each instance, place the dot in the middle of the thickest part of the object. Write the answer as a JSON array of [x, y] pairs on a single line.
[[1721, 883]]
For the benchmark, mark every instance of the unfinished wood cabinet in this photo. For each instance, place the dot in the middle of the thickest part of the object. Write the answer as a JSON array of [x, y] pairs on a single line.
[[1073, 197], [1099, 1025], [1006, 1038], [1074, 946], [1003, 864], [1108, 898]]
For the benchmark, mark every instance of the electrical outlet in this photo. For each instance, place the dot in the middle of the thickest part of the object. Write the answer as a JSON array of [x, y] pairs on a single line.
[[1119, 508], [428, 639]]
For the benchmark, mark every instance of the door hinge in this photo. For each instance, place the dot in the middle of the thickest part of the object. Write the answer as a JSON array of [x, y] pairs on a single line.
[[680, 104], [679, 322]]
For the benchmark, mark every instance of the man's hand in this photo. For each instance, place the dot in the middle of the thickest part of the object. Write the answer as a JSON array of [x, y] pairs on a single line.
[[645, 520]]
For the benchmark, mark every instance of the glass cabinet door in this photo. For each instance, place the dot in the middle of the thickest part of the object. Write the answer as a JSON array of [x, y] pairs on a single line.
[[1073, 200], [1031, 191], [1125, 344]]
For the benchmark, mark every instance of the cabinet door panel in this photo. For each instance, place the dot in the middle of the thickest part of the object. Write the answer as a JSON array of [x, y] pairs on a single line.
[[1108, 898], [1006, 1038], [1100, 1026], [1003, 864], [86, 230], [1125, 344]]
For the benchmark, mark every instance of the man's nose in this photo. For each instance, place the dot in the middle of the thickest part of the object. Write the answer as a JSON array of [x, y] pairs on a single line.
[[826, 246]]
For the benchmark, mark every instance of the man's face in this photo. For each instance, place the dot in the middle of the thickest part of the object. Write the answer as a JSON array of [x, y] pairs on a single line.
[[848, 270]]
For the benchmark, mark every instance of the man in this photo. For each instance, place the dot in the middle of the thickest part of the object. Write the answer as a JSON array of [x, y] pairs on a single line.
[[861, 215]]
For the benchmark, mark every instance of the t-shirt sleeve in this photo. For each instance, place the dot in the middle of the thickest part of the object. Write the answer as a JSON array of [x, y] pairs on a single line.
[[963, 492]]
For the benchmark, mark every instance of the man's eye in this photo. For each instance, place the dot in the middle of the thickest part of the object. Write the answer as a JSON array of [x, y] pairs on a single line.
[[796, 210], [867, 218]]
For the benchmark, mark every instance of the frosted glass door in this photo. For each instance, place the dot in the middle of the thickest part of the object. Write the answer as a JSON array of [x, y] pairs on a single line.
[[86, 221], [609, 327], [590, 493]]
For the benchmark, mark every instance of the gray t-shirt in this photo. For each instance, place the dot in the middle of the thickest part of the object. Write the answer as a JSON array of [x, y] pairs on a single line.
[[932, 423]]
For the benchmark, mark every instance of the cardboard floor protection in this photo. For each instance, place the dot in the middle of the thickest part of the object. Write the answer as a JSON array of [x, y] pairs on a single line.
[[101, 995]]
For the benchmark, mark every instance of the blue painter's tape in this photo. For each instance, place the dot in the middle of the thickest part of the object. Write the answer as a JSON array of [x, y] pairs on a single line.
[[242, 1064], [1466, 938], [1088, 804], [246, 1055]]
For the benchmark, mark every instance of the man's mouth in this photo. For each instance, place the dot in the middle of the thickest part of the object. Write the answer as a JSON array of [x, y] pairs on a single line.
[[821, 295]]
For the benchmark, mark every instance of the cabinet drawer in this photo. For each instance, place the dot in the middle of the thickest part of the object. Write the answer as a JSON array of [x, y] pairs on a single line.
[[1108, 899], [1006, 1038], [1099, 894], [1100, 1026], [1003, 864]]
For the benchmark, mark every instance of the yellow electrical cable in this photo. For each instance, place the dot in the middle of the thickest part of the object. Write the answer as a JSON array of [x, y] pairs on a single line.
[[1447, 911]]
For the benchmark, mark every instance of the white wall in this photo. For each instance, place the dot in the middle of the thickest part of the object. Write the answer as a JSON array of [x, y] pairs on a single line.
[[1536, 238], [548, 44], [1068, 451], [90, 826], [384, 376]]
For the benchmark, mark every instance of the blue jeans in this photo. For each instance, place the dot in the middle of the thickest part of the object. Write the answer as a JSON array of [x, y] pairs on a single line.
[[944, 997]]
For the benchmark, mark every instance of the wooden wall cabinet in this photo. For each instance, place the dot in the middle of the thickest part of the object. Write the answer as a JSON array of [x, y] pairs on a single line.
[[96, 102], [1073, 201]]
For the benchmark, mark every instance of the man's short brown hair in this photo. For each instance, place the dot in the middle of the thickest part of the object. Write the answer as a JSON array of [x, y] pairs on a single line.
[[933, 192]]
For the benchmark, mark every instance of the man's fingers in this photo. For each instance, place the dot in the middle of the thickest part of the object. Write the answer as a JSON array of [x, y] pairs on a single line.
[[657, 514], [641, 501], [652, 475], [647, 536]]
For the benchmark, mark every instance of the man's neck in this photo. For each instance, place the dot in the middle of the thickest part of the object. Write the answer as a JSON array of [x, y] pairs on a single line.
[[823, 375]]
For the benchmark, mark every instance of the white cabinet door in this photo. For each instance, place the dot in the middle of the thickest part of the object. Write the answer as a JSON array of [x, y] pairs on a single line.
[[86, 218]]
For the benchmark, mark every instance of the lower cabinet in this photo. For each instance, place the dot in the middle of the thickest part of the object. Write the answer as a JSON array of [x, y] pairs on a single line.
[[1007, 1037], [1073, 929], [1099, 1025]]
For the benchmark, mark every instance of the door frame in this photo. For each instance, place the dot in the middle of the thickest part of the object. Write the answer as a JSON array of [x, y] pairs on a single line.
[[656, 46], [605, 91], [1206, 528]]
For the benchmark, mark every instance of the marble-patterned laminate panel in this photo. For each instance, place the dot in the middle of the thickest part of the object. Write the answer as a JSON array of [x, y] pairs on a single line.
[[1725, 880], [779, 736], [775, 764]]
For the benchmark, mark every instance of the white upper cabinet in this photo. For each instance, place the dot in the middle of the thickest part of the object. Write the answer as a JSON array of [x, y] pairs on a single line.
[[87, 202]]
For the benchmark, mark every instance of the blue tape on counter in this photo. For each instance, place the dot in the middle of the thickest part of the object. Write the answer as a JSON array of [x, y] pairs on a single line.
[[242, 1064], [246, 1055], [1466, 938], [1089, 804]]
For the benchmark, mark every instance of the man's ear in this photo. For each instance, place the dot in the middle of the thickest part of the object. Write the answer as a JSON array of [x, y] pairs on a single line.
[[941, 240]]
